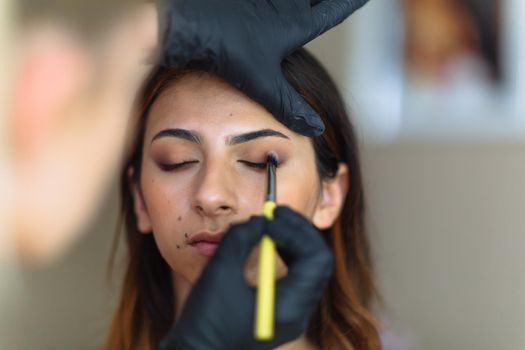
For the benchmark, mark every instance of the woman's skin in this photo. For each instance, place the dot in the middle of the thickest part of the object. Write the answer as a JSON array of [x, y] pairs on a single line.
[[203, 169]]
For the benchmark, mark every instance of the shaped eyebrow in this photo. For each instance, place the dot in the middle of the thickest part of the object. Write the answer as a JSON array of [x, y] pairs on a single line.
[[234, 140], [179, 133], [249, 136]]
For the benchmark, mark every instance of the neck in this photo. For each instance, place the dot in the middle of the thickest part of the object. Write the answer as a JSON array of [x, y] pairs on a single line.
[[182, 289]]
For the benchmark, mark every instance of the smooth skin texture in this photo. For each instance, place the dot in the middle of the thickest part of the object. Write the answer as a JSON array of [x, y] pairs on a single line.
[[217, 181]]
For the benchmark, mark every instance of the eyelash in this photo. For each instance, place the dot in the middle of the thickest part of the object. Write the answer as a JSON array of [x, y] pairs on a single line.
[[177, 166], [259, 166]]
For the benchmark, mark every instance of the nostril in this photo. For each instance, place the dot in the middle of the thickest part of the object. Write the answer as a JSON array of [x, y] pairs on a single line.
[[213, 210]]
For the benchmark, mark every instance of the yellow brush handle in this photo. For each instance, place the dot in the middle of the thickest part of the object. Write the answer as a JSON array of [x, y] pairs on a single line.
[[265, 299]]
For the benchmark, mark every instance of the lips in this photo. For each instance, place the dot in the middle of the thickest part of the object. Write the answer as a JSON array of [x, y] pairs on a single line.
[[206, 242]]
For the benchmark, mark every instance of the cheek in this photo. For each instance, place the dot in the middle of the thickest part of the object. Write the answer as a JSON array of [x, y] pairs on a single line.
[[163, 201], [250, 192], [300, 192], [167, 206]]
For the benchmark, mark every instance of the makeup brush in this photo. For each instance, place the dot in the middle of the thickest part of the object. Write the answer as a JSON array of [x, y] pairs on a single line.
[[265, 298]]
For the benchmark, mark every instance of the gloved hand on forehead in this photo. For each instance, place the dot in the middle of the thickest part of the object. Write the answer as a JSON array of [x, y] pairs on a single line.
[[245, 41]]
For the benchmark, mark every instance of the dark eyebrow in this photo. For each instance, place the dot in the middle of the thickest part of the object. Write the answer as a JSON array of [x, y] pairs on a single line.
[[180, 133], [255, 135]]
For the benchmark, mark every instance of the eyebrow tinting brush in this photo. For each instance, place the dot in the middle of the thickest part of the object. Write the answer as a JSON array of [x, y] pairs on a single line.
[[265, 297]]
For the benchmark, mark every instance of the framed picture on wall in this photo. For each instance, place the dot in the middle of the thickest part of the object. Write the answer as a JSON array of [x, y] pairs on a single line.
[[452, 60], [439, 67]]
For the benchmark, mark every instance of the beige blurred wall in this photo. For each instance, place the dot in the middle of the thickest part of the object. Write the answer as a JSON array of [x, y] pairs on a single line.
[[448, 229]]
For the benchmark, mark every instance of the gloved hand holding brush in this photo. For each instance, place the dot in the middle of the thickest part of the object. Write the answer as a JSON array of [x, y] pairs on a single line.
[[219, 313]]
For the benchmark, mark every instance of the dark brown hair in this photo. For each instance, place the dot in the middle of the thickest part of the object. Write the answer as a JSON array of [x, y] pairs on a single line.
[[342, 320]]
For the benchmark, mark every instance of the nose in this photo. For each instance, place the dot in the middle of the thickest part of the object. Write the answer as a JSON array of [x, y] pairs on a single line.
[[215, 192]]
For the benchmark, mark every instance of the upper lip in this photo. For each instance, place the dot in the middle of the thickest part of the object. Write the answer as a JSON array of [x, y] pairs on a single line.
[[210, 237]]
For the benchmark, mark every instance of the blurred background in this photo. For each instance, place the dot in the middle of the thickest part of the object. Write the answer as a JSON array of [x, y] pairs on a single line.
[[437, 92]]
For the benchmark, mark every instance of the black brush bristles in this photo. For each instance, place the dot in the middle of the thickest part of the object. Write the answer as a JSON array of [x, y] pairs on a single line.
[[271, 160]]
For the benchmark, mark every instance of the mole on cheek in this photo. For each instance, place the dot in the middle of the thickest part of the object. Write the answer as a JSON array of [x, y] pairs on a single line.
[[180, 218]]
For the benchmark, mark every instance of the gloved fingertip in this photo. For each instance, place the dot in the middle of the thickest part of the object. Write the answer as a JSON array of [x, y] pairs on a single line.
[[258, 221], [288, 213], [307, 129], [241, 238], [282, 210], [304, 120]]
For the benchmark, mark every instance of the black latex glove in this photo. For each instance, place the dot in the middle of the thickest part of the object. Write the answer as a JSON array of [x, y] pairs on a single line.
[[219, 312], [245, 41]]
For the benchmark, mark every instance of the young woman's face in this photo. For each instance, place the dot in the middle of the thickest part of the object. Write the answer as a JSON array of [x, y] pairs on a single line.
[[203, 169]]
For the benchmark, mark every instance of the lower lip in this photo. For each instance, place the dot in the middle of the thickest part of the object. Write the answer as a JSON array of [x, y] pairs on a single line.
[[205, 248]]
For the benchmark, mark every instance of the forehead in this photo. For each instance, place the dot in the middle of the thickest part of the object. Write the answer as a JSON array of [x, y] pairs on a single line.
[[200, 101]]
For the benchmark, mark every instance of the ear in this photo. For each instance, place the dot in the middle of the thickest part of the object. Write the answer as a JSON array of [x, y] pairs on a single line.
[[333, 194], [139, 207]]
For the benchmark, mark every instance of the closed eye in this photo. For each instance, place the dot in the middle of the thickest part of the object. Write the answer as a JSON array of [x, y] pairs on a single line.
[[253, 164], [177, 166]]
